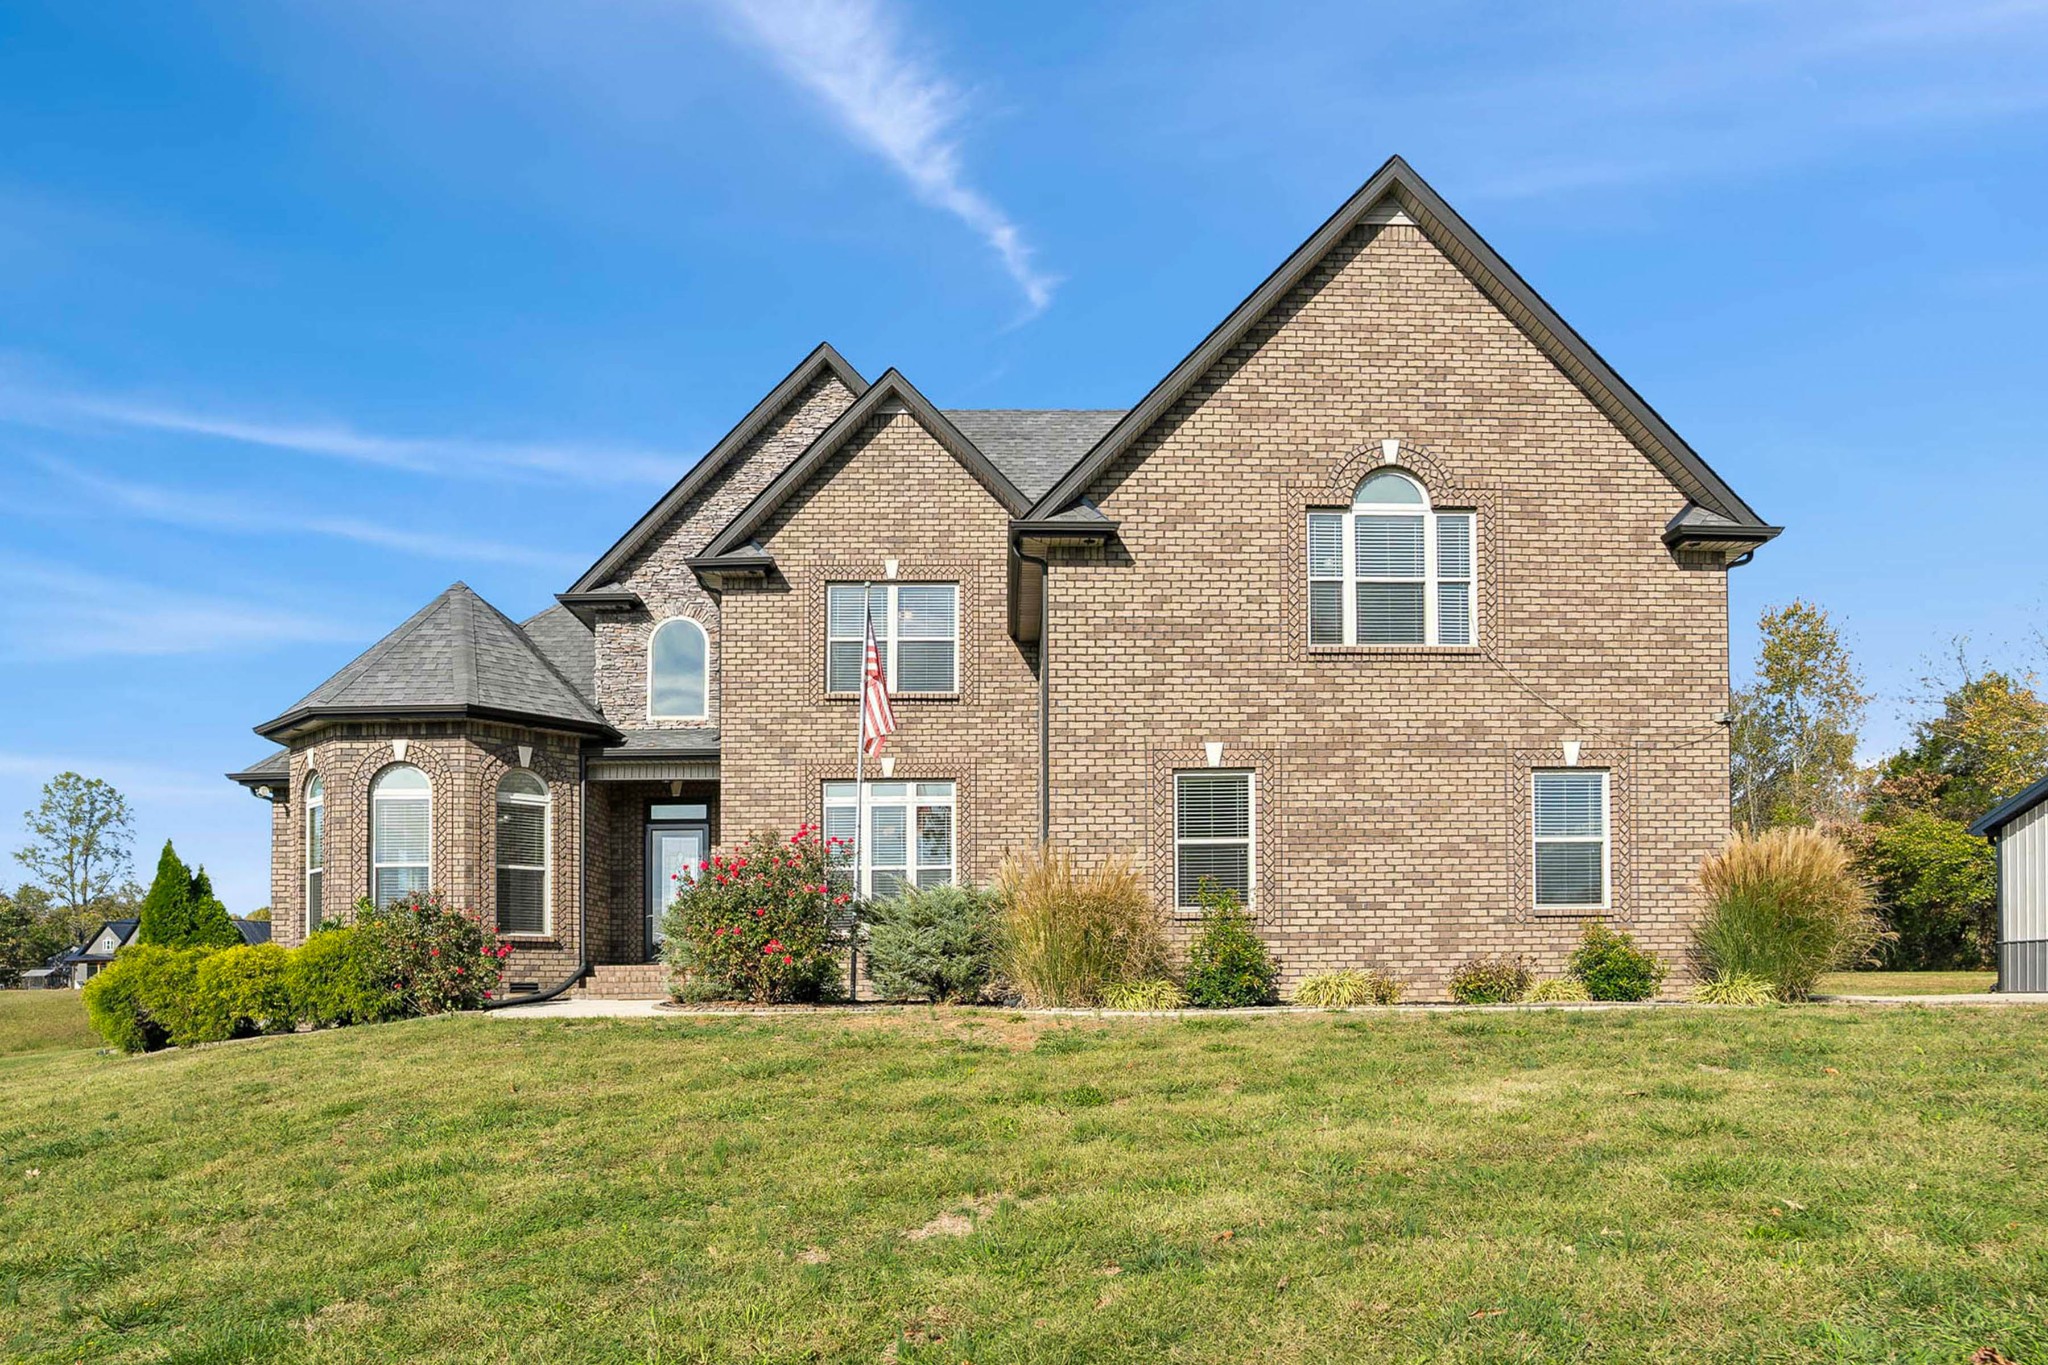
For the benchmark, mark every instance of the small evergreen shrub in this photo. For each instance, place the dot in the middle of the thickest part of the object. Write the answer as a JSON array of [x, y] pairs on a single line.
[[1157, 994], [335, 980], [434, 957], [1065, 935], [1785, 905], [1564, 991], [181, 911], [1341, 990], [1229, 965], [756, 924], [937, 943], [1612, 968], [1736, 990], [240, 992], [1491, 980]]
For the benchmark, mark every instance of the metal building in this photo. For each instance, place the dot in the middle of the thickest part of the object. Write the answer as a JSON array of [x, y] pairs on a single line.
[[2018, 830]]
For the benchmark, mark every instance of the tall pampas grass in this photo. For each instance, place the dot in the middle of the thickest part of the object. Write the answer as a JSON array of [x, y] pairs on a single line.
[[1784, 905], [1068, 934]]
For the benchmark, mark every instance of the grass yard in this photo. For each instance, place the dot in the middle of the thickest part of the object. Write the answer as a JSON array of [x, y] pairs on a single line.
[[1811, 1184], [1906, 983], [43, 1021]]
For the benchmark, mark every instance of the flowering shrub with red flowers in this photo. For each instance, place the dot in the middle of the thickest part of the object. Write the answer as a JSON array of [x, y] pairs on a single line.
[[756, 923], [434, 957]]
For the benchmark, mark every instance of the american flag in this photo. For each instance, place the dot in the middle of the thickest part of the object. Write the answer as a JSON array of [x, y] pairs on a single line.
[[878, 721]]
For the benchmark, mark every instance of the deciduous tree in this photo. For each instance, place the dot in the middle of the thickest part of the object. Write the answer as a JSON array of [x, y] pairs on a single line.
[[79, 842], [1796, 725]]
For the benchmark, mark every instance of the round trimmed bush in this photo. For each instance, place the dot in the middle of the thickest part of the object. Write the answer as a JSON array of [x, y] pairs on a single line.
[[333, 980], [935, 943], [1613, 968]]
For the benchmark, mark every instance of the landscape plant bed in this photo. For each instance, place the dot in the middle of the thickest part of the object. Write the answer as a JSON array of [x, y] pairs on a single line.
[[989, 1185]]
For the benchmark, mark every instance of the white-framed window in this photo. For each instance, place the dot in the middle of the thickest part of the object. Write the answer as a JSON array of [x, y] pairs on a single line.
[[1392, 571], [917, 628], [401, 832], [1212, 834], [1570, 808], [523, 901], [316, 847], [909, 836], [678, 670]]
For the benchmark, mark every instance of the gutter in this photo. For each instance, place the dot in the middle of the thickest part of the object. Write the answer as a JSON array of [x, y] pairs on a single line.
[[582, 901]]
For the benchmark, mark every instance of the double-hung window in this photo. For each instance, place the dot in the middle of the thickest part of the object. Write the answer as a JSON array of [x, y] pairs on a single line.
[[1570, 807], [908, 839], [1212, 834], [1392, 570], [917, 630], [522, 853], [401, 832]]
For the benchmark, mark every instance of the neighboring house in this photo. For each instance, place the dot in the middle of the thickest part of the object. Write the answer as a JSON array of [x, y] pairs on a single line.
[[1391, 606], [115, 934], [2018, 830]]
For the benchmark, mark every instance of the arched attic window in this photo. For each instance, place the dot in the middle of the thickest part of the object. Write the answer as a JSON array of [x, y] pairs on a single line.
[[316, 847], [1392, 570], [678, 659]]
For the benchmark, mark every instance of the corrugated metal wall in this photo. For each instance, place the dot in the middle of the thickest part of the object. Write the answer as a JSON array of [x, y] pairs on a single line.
[[2023, 903]]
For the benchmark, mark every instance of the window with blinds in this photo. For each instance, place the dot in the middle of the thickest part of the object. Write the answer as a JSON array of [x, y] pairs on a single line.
[[1570, 809], [522, 853], [908, 836], [678, 671], [316, 848], [1212, 834], [1390, 571], [401, 832], [917, 629]]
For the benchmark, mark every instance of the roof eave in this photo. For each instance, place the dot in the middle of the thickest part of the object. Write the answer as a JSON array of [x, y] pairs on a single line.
[[2012, 808], [588, 606], [306, 718]]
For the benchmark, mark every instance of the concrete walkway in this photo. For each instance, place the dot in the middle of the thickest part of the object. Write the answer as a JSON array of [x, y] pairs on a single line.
[[657, 1009]]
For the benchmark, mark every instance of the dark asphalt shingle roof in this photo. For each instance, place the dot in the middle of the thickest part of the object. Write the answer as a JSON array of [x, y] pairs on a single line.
[[458, 653], [1034, 446], [698, 739], [254, 931], [568, 644]]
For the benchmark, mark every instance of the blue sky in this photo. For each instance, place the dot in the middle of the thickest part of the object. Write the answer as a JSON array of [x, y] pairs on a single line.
[[307, 311]]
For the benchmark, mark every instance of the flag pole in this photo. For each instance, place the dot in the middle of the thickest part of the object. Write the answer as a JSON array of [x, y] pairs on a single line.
[[860, 795]]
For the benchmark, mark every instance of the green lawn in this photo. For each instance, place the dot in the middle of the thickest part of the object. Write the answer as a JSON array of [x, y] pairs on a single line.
[[1699, 1185], [1906, 983], [43, 1021]]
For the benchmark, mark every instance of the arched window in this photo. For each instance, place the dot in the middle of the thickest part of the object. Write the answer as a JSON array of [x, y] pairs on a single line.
[[316, 847], [1391, 571], [522, 853], [677, 656], [401, 832]]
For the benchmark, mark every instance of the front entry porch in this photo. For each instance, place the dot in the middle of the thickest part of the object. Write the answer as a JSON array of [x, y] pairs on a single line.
[[646, 836]]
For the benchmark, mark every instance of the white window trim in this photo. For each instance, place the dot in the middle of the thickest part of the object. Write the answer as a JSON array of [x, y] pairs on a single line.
[[1349, 577], [912, 803], [703, 635], [316, 800], [1606, 842], [375, 865], [546, 802], [885, 637], [1250, 839]]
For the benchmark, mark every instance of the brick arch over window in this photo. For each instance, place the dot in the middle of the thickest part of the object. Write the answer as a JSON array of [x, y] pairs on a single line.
[[565, 851], [1446, 489], [426, 755]]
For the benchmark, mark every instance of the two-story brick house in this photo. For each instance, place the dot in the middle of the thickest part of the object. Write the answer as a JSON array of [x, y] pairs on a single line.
[[1392, 605]]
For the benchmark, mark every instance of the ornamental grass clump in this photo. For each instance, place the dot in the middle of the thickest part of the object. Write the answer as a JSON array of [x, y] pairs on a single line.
[[933, 943], [1493, 980], [1342, 990], [756, 924], [1563, 991], [1785, 905], [1158, 994], [1736, 990], [1065, 935], [1229, 965]]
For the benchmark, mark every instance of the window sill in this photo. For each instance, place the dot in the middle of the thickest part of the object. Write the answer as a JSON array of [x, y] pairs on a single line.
[[1417, 651], [895, 697], [1572, 911], [532, 940]]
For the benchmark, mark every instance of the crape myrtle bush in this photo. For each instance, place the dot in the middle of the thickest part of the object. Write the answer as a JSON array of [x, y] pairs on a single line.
[[756, 924], [414, 956]]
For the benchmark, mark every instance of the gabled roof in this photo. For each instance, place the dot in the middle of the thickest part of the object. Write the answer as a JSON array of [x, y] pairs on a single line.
[[1509, 291], [1992, 821], [892, 387], [456, 656], [824, 360], [1034, 446]]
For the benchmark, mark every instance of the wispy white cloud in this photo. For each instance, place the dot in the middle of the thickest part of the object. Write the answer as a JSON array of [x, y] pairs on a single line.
[[145, 781], [54, 612], [853, 56], [241, 513]]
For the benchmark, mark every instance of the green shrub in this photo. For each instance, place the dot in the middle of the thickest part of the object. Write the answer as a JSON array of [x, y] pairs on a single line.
[[935, 943], [756, 924], [1492, 980], [1229, 965], [1065, 935], [1736, 990], [1569, 990], [1157, 994], [1612, 968], [334, 980], [240, 992], [1937, 887], [435, 957], [1785, 905], [147, 997], [1341, 990]]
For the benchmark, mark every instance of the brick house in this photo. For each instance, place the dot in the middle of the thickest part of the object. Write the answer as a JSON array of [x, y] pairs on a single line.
[[1391, 605]]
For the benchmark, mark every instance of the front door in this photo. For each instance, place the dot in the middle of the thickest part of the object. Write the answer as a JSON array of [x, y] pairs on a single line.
[[676, 846]]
